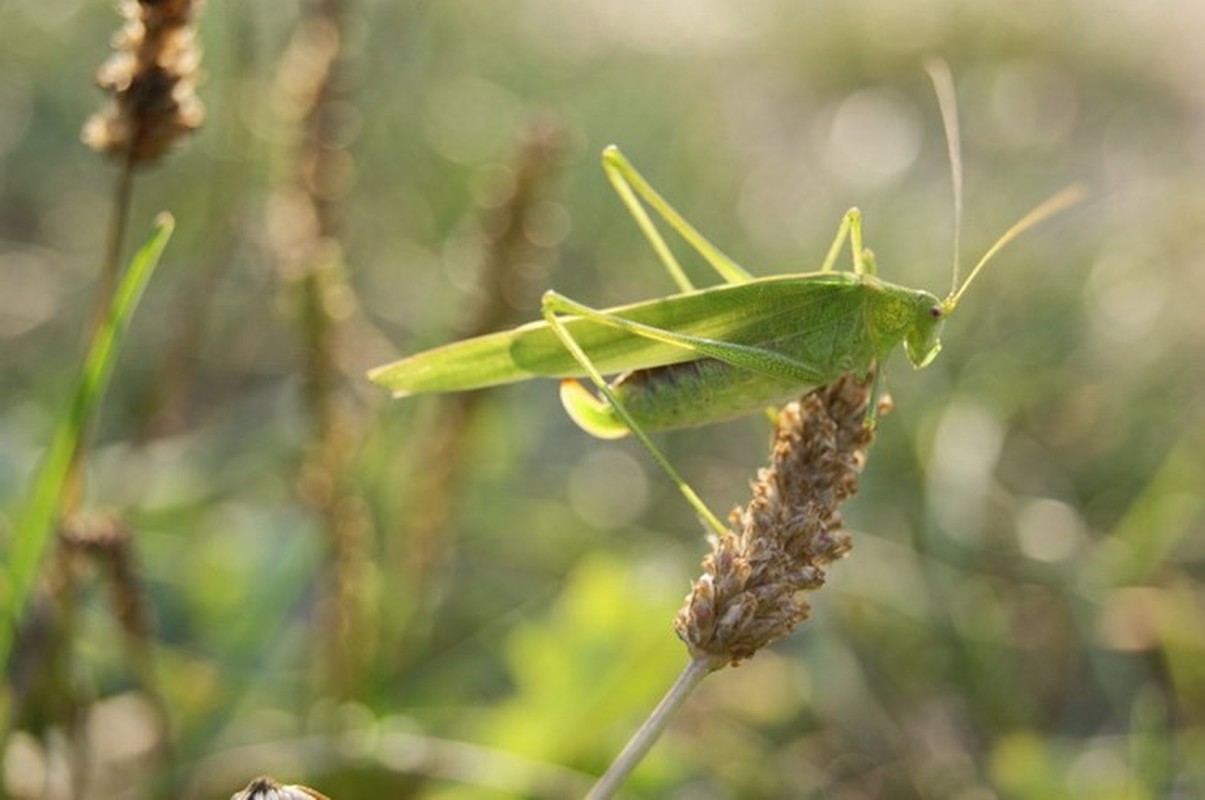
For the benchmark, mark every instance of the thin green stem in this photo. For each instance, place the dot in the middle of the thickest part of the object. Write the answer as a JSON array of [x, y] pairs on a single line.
[[110, 269], [110, 274], [647, 735]]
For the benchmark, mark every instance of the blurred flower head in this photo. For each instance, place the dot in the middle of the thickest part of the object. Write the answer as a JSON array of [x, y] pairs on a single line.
[[151, 81]]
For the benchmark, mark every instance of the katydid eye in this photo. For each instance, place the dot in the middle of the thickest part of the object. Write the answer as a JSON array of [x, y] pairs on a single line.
[[935, 312]]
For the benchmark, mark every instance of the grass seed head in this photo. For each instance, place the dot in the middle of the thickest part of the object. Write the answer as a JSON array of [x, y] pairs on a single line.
[[778, 546], [151, 81], [265, 788]]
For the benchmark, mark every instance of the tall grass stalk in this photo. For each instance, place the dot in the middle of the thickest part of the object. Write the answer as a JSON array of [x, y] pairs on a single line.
[[508, 219], [306, 228]]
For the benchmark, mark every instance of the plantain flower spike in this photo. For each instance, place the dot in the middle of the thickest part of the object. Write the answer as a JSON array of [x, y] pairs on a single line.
[[752, 590], [151, 82]]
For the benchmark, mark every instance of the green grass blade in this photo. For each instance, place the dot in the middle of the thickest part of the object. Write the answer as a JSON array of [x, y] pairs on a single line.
[[32, 532]]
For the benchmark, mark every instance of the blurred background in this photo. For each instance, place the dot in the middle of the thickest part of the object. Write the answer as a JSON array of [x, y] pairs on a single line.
[[468, 597]]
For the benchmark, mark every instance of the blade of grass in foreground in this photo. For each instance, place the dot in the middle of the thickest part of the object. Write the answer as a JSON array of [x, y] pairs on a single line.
[[35, 524]]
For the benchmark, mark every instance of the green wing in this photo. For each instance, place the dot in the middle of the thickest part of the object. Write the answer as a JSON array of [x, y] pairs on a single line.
[[755, 312]]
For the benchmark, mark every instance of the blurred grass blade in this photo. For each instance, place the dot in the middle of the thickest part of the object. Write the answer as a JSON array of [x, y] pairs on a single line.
[[34, 526]]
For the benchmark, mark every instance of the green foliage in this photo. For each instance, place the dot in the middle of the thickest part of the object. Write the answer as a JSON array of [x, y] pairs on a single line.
[[599, 659]]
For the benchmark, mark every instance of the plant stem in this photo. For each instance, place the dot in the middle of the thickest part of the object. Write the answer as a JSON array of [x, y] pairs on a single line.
[[110, 268], [110, 273], [643, 740]]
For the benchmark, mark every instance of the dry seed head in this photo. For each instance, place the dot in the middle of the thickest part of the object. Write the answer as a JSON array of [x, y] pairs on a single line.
[[265, 788], [151, 79], [750, 593]]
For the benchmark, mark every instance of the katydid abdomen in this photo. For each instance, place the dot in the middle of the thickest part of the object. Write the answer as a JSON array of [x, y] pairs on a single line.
[[689, 394]]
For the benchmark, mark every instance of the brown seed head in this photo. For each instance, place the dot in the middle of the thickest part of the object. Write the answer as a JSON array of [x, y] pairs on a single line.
[[151, 80], [265, 788], [750, 593]]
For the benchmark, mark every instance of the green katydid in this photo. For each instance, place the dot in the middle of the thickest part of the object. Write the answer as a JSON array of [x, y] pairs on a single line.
[[705, 355]]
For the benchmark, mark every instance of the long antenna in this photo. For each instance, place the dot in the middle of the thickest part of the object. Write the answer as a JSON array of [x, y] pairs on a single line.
[[947, 102], [1053, 205]]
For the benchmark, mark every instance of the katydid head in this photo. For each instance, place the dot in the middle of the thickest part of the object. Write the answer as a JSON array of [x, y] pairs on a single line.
[[922, 342]]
